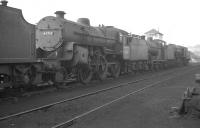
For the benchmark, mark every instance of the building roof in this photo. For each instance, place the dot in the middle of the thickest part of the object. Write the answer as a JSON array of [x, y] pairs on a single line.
[[154, 31]]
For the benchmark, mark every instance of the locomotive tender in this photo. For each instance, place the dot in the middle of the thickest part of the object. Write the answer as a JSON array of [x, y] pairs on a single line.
[[17, 46], [57, 50]]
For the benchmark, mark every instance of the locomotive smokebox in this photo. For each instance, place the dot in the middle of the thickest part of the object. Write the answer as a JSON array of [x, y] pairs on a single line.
[[60, 14], [84, 21], [4, 2]]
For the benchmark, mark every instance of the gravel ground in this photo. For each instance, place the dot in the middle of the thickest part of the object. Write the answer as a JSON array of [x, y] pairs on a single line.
[[29, 102], [148, 109], [49, 117]]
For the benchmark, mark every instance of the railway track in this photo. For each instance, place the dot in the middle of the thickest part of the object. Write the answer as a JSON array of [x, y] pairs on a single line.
[[81, 96], [86, 95], [71, 121]]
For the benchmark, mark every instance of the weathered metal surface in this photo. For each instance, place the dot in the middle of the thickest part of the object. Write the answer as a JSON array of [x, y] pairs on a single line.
[[139, 50], [84, 21], [52, 32], [81, 55], [146, 50], [17, 37], [171, 48]]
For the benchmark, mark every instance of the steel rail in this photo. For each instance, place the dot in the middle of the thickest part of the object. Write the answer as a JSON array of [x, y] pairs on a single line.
[[66, 100], [76, 97], [71, 121]]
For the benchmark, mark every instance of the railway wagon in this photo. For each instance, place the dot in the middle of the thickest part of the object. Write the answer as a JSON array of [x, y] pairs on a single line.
[[17, 46]]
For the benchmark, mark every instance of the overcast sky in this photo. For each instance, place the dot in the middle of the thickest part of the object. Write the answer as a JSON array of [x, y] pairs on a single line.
[[178, 20]]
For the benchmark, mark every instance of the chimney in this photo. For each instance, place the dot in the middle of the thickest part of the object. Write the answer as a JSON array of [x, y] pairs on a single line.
[[60, 14], [4, 2]]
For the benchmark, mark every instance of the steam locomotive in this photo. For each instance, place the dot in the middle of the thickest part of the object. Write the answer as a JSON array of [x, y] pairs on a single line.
[[57, 50]]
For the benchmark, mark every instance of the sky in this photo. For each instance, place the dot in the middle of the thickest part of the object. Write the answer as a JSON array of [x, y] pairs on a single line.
[[178, 20]]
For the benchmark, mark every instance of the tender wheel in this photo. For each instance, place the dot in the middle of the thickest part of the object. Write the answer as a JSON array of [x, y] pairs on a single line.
[[84, 73], [115, 70], [103, 68], [30, 75], [25, 74]]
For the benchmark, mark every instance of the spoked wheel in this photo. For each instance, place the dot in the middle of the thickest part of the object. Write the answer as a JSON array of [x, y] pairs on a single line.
[[115, 70], [84, 73], [103, 68]]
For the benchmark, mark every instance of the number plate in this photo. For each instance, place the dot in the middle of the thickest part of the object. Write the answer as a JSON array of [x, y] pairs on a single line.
[[48, 33]]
